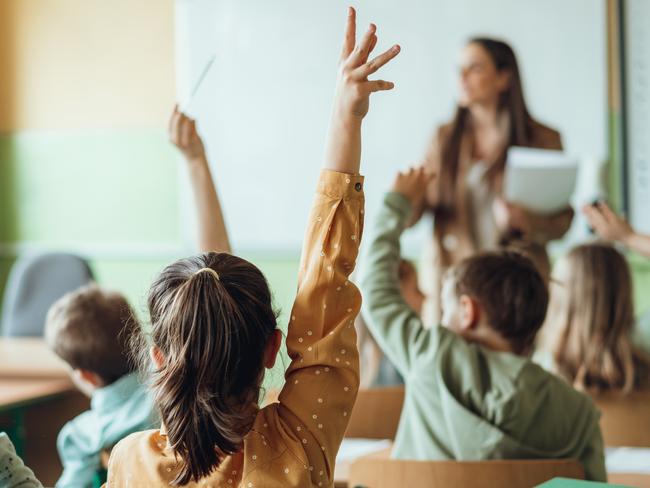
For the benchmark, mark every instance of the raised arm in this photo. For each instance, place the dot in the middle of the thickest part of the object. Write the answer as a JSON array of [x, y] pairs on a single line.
[[213, 235], [323, 377], [611, 227], [396, 327], [351, 100]]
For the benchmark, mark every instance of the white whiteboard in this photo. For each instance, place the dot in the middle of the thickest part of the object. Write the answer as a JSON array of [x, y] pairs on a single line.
[[638, 111], [264, 107]]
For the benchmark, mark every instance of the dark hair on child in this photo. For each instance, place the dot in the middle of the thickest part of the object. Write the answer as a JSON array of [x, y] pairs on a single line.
[[211, 318], [511, 291]]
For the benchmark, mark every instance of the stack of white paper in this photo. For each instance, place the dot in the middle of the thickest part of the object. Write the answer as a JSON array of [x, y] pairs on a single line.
[[540, 180]]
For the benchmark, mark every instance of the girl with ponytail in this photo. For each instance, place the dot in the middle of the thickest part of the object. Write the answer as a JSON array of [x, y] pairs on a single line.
[[213, 333]]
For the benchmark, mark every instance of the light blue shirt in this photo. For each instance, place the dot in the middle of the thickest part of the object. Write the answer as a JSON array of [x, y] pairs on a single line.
[[13, 473], [117, 410]]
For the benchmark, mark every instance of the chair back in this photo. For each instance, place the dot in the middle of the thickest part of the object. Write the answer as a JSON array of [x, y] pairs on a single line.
[[375, 472], [625, 419], [376, 413], [35, 282]]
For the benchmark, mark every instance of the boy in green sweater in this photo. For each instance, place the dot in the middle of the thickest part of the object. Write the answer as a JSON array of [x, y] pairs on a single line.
[[472, 393]]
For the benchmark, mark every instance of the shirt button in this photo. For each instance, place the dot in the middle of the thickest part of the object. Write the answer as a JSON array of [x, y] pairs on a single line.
[[357, 186]]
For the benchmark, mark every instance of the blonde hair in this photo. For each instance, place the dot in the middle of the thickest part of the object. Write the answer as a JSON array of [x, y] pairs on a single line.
[[591, 321]]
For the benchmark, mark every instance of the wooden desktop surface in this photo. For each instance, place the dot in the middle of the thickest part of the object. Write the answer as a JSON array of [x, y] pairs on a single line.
[[18, 392], [20, 358], [37, 397]]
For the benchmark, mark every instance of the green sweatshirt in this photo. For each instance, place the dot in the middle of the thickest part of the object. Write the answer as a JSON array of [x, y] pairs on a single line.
[[464, 401]]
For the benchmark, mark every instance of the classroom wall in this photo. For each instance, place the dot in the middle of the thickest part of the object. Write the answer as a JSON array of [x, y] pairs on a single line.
[[86, 86], [85, 90]]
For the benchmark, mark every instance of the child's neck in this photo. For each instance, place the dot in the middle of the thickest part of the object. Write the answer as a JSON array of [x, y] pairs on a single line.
[[490, 339]]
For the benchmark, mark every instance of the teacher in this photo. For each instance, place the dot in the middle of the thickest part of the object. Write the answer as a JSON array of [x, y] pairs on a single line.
[[469, 156]]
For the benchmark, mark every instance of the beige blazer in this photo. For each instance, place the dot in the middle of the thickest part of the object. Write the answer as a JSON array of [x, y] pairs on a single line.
[[453, 237]]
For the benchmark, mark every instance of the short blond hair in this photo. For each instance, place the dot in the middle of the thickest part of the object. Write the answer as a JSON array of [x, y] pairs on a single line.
[[89, 329]]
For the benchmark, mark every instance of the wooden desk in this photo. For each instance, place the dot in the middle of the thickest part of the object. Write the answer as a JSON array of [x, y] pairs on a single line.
[[21, 392], [342, 468], [29, 357], [37, 397]]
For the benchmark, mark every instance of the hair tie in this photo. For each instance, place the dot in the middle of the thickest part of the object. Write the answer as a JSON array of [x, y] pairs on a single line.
[[209, 270]]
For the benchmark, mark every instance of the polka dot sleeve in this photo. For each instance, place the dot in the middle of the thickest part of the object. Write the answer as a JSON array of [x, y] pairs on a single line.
[[13, 473], [323, 377]]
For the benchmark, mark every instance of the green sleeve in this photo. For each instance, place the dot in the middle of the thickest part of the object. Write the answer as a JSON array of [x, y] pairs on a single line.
[[593, 458], [13, 473], [395, 326]]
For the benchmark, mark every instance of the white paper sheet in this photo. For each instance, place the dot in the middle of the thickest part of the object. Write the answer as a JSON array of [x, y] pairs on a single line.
[[352, 449], [540, 180], [627, 460]]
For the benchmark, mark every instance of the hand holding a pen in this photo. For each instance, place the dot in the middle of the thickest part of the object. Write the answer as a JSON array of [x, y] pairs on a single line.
[[183, 135]]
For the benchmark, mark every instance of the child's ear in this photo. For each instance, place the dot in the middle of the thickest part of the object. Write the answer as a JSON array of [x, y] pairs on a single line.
[[86, 381], [272, 348], [157, 357], [469, 312]]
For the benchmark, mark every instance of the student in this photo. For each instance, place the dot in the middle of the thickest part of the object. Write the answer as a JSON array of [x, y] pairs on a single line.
[[591, 320], [613, 228], [13, 473], [471, 392], [214, 332], [89, 329]]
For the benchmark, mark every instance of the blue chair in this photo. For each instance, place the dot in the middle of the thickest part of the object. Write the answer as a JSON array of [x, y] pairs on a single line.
[[35, 282]]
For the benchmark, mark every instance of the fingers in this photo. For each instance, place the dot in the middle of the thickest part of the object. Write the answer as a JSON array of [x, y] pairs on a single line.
[[360, 53], [607, 212], [373, 43], [172, 120], [350, 34], [378, 85], [595, 218], [373, 65], [173, 124], [182, 129]]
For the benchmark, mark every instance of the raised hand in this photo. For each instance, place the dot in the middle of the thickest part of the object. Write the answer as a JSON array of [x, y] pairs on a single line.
[[351, 100], [413, 184], [354, 88], [213, 235], [183, 135], [606, 223]]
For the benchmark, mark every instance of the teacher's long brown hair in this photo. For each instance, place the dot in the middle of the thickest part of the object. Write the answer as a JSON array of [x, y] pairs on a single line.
[[511, 102]]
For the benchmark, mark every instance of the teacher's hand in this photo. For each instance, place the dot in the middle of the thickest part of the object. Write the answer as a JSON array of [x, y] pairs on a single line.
[[509, 216]]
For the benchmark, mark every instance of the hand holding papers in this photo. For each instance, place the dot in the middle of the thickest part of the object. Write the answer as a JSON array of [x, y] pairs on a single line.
[[539, 180]]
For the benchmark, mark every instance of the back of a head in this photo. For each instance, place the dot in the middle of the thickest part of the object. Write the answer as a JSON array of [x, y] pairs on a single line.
[[592, 345], [211, 318], [510, 291], [89, 328]]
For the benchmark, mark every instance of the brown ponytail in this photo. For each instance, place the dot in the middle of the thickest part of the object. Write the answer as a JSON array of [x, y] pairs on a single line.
[[212, 327]]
